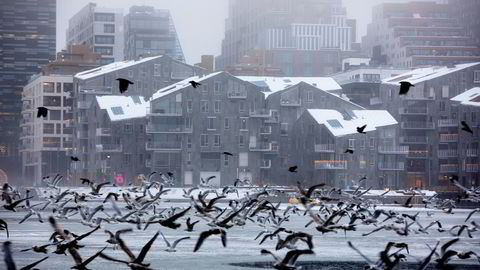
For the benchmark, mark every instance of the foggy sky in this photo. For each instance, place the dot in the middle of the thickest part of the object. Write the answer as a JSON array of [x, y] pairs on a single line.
[[200, 24]]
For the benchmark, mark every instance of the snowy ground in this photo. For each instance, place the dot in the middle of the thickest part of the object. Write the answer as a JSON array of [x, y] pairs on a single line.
[[241, 244]]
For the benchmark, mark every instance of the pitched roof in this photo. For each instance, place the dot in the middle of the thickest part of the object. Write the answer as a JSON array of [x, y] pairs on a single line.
[[181, 85], [275, 84], [123, 107], [336, 123], [470, 97], [112, 67], [420, 75]]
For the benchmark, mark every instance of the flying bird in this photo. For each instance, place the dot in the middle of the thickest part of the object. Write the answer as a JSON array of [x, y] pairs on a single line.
[[72, 158], [194, 84], [466, 127], [350, 151], [4, 226], [228, 154], [405, 87], [205, 234], [361, 129], [42, 112], [123, 84], [293, 169]]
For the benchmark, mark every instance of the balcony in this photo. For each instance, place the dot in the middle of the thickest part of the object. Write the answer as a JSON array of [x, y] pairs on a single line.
[[445, 138], [261, 114], [164, 146], [411, 97], [109, 148], [162, 112], [413, 111], [97, 91], [418, 125], [237, 95], [473, 168], [83, 105], [447, 123], [167, 129], [266, 164], [391, 166], [100, 132], [330, 164], [290, 103], [263, 147], [448, 168], [447, 153], [394, 149], [266, 130], [417, 154], [471, 152], [414, 139], [272, 120], [324, 148]]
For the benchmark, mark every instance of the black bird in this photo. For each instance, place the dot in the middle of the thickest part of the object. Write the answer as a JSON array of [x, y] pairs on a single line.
[[191, 225], [228, 154], [42, 112], [14, 204], [350, 151], [81, 264], [288, 262], [123, 84], [194, 84], [85, 181], [205, 234], [466, 127], [293, 169], [75, 159], [9, 259], [170, 222], [4, 226], [170, 174], [405, 87], [38, 249], [361, 129]]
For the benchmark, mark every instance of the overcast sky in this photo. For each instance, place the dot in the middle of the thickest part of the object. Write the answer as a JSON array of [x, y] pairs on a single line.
[[199, 23]]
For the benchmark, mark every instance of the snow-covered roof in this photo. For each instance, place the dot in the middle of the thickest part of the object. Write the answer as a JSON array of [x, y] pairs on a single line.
[[123, 107], [420, 75], [181, 85], [275, 84], [356, 61], [470, 97], [335, 121], [91, 73]]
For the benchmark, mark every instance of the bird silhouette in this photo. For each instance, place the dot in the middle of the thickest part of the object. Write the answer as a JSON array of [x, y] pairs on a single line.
[[42, 112], [4, 226], [123, 84], [405, 87], [205, 234], [194, 84], [466, 127], [350, 151], [228, 154], [361, 129], [72, 158], [293, 169]]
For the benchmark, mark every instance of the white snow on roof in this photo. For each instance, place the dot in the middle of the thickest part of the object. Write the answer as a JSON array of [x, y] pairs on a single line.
[[275, 84], [181, 85], [420, 75], [334, 120], [91, 73], [470, 97], [131, 106]]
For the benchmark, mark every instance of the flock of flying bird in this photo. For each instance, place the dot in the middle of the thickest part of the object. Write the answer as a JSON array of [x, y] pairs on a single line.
[[328, 210]]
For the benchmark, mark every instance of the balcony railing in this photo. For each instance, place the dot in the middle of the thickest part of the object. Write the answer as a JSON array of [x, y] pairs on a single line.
[[414, 139], [447, 123], [97, 91], [167, 129], [162, 112], [448, 168], [471, 152], [261, 114], [413, 110], [472, 168], [324, 148], [164, 146], [266, 164], [391, 166], [262, 147], [417, 154], [266, 130], [83, 105], [290, 102], [330, 164], [103, 132], [107, 148], [395, 149], [411, 97], [447, 153], [448, 138], [237, 95], [417, 125]]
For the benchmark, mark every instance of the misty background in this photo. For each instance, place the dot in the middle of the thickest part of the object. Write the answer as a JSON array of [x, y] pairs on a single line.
[[200, 24]]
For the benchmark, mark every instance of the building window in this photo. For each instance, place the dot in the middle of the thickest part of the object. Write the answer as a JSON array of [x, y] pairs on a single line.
[[243, 124], [241, 107], [127, 128], [157, 70], [241, 140], [48, 87], [362, 163], [130, 73], [216, 107], [55, 115], [99, 39], [226, 123], [372, 143], [284, 129], [211, 123], [189, 142], [204, 140], [109, 28], [204, 89], [104, 17], [189, 158], [362, 144], [216, 140], [476, 76], [225, 160], [104, 51], [189, 106], [445, 91], [474, 117], [127, 158], [217, 87], [351, 143], [310, 96], [204, 107], [442, 106]]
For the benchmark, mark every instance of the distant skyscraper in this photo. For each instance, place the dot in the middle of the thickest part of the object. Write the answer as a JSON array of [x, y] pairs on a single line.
[[28, 40], [303, 37], [99, 28], [150, 32]]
